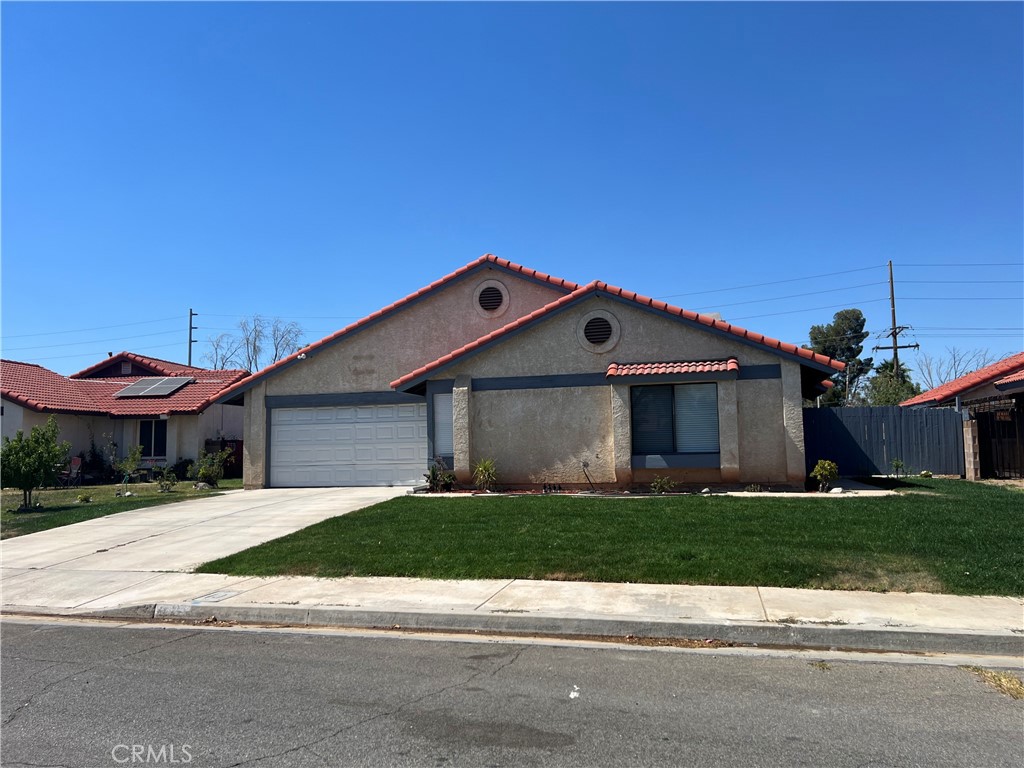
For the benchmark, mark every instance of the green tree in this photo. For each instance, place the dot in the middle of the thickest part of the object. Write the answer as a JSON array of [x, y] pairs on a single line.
[[843, 340], [891, 387], [27, 463]]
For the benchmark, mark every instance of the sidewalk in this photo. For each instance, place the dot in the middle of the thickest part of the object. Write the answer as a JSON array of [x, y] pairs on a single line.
[[138, 564], [916, 622]]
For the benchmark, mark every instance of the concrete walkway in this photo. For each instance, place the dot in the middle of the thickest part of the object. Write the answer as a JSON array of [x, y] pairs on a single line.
[[136, 564]]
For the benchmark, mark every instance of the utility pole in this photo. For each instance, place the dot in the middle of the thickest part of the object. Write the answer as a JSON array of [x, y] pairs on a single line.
[[191, 341], [895, 330]]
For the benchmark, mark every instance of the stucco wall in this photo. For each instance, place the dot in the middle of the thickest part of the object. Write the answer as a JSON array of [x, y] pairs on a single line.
[[369, 360], [552, 348], [543, 435], [77, 430]]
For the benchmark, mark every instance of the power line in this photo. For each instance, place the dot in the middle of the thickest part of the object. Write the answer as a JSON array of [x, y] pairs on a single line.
[[83, 330], [97, 354], [94, 341], [791, 296], [774, 282], [808, 309], [961, 264]]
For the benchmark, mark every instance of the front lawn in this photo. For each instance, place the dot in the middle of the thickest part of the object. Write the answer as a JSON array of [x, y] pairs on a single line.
[[936, 536], [60, 506]]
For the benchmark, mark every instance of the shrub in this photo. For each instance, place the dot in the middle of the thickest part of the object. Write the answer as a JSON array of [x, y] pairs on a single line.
[[166, 480], [754, 488], [897, 467], [925, 473], [439, 477], [825, 472], [83, 498], [662, 485], [209, 467], [485, 474]]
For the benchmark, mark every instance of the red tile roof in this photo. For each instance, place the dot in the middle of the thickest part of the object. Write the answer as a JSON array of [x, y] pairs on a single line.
[[1013, 378], [990, 374], [688, 366], [487, 258], [158, 366], [598, 286], [41, 389]]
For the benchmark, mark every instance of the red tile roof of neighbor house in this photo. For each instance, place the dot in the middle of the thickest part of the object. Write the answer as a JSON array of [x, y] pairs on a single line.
[[689, 366], [1014, 378], [158, 366], [487, 258], [1004, 369], [598, 286], [41, 389]]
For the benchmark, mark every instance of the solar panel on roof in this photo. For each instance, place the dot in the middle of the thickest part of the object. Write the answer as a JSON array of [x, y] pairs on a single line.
[[159, 386]]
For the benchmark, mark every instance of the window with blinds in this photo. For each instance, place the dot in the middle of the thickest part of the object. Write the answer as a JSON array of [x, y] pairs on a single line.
[[444, 441], [675, 418]]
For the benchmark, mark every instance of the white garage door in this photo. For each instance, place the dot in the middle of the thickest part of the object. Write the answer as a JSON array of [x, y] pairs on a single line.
[[348, 445]]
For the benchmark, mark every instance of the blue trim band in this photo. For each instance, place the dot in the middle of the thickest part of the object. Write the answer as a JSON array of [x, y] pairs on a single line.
[[340, 398], [677, 461]]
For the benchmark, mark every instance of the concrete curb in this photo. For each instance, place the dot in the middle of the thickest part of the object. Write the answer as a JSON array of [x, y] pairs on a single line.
[[833, 637]]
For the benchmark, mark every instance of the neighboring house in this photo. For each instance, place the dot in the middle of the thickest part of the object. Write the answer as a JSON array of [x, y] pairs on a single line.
[[127, 399], [992, 401], [558, 383]]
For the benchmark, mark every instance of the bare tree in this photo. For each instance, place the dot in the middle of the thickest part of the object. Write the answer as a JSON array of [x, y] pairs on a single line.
[[259, 343], [285, 338], [223, 349], [936, 371]]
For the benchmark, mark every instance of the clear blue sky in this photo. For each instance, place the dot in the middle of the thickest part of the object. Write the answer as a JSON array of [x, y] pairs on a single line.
[[318, 161]]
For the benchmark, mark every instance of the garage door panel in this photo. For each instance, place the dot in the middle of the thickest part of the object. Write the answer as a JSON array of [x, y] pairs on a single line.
[[349, 445]]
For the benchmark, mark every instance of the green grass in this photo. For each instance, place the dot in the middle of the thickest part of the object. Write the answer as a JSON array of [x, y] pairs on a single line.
[[61, 507], [937, 535]]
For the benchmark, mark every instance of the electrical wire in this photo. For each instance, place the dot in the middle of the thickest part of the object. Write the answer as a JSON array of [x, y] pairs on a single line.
[[793, 295], [774, 282], [83, 330], [94, 341]]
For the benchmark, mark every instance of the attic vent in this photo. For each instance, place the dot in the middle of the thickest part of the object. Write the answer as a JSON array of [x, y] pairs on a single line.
[[597, 330], [126, 368], [490, 298]]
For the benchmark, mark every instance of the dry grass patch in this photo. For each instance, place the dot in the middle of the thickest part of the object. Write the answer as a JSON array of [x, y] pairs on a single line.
[[1004, 682], [890, 575]]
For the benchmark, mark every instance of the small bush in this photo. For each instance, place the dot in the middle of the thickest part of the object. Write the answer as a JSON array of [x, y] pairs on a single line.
[[439, 478], [485, 474], [166, 479], [925, 473], [825, 472], [209, 467], [897, 467], [662, 485], [83, 498], [753, 488]]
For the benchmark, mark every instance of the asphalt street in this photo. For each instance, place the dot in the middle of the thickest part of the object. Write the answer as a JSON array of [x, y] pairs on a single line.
[[87, 695]]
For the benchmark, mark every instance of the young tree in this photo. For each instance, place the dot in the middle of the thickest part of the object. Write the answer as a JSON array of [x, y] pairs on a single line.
[[890, 387], [27, 463], [936, 371], [843, 340]]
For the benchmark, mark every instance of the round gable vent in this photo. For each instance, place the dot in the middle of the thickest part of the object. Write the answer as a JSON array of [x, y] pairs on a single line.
[[597, 330], [490, 298]]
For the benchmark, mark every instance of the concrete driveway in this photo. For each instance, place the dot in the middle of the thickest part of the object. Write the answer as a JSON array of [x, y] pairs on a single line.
[[66, 568]]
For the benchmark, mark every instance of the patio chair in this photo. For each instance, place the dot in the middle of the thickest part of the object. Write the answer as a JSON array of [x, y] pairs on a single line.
[[72, 476]]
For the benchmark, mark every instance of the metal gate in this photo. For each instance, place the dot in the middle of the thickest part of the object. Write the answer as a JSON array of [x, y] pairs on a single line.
[[864, 441], [1000, 441]]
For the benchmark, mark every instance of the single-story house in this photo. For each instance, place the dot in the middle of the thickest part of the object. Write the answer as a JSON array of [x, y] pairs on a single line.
[[127, 399], [992, 401], [556, 382]]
